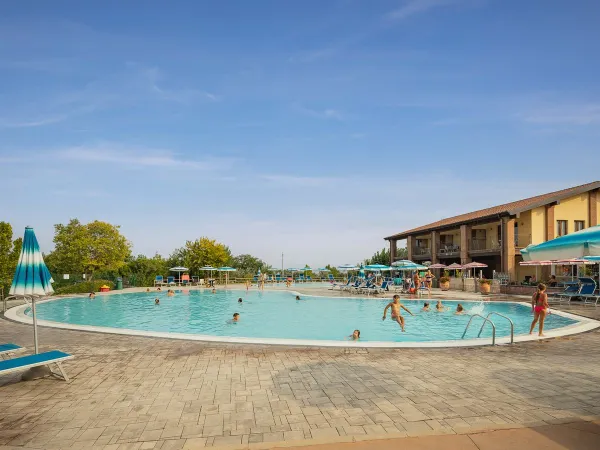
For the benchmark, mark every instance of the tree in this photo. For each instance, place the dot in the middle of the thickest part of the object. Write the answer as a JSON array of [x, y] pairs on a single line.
[[97, 246], [333, 271], [9, 255], [145, 269], [383, 256], [206, 252], [248, 265], [177, 258]]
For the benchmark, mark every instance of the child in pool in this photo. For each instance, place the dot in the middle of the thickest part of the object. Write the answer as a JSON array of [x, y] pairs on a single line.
[[236, 317], [396, 315], [439, 307], [240, 300], [156, 301], [459, 310], [355, 336], [426, 307]]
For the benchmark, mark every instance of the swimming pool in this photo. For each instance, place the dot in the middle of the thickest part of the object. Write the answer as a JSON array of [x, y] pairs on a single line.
[[277, 317]]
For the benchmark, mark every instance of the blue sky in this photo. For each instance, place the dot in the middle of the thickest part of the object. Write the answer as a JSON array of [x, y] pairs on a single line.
[[311, 128]]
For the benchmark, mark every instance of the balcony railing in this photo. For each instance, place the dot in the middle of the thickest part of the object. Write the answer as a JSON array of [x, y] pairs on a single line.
[[522, 241], [421, 251], [482, 245], [448, 249]]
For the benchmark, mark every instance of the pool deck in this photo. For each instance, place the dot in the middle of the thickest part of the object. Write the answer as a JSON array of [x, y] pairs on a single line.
[[132, 392]]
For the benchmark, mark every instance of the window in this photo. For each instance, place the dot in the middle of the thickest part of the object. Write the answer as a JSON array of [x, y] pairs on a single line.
[[579, 225], [561, 227]]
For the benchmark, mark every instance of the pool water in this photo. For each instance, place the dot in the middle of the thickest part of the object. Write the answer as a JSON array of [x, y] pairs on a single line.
[[277, 314]]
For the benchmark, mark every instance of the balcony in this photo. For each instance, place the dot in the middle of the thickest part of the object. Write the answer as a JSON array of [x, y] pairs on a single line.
[[421, 252], [522, 241], [481, 246], [448, 250]]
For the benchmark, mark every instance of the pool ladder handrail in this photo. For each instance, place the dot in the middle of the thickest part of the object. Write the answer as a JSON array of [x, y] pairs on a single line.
[[485, 319], [512, 325]]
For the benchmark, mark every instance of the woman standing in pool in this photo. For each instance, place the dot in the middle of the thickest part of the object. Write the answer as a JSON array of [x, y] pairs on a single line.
[[539, 306]]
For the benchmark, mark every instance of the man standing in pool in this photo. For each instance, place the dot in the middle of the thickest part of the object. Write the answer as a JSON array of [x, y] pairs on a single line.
[[396, 305]]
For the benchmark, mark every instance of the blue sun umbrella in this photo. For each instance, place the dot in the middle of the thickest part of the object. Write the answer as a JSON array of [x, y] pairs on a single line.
[[32, 279], [575, 245], [227, 270]]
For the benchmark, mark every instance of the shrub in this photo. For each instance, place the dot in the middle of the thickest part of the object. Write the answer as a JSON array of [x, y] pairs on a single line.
[[484, 281], [84, 287]]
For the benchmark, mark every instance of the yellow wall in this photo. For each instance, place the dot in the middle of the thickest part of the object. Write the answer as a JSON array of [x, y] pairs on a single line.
[[598, 207], [538, 225], [572, 209], [525, 228]]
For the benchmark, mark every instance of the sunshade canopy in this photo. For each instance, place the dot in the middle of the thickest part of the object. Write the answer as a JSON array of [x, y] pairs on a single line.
[[575, 245]]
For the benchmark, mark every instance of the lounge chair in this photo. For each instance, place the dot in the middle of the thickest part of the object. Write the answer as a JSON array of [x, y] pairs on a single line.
[[352, 286], [330, 278], [159, 280], [185, 280], [300, 279], [570, 290], [308, 278], [9, 348], [340, 286], [195, 280], [170, 281], [278, 278], [41, 359], [255, 279]]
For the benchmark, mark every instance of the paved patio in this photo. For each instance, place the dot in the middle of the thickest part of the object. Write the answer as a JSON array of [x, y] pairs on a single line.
[[142, 393]]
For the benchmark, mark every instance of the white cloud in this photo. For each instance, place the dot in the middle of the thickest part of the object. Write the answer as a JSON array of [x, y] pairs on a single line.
[[32, 123], [182, 95], [413, 7], [583, 114], [326, 114], [299, 181], [141, 157]]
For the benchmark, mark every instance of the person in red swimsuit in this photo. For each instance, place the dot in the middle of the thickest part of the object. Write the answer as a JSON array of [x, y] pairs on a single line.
[[539, 305]]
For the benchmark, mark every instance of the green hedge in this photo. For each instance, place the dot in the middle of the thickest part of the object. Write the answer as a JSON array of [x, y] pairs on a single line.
[[84, 287]]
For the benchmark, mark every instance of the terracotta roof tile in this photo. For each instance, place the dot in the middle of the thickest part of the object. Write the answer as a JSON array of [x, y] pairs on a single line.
[[505, 209]]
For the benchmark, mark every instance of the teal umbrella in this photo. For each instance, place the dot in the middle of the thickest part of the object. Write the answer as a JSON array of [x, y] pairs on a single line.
[[226, 270], [32, 278], [575, 245]]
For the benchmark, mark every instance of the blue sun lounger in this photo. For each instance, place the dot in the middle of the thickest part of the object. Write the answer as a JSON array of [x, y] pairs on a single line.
[[8, 348], [40, 359]]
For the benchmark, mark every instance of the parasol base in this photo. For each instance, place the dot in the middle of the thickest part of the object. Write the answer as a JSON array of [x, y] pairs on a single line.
[[36, 372]]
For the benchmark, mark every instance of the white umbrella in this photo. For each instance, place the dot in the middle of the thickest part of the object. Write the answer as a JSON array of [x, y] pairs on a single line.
[[179, 269]]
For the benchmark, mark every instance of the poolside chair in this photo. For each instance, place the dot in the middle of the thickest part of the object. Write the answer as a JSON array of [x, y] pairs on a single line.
[[40, 359], [159, 280], [308, 278], [185, 280], [270, 279], [330, 277], [6, 349], [255, 279], [340, 286], [278, 278], [300, 279], [352, 286], [170, 281], [570, 290]]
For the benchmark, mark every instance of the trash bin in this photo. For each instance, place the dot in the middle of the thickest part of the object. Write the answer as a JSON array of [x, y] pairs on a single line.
[[119, 284]]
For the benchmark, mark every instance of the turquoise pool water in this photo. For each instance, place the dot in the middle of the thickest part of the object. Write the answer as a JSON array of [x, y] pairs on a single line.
[[277, 314]]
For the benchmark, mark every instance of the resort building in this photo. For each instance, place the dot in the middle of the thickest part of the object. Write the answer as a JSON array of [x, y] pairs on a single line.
[[496, 235]]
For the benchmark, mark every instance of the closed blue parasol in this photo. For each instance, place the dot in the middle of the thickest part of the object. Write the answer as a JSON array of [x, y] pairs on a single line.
[[575, 245], [32, 278]]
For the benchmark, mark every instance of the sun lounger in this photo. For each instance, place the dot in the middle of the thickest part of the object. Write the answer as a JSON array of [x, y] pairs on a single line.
[[40, 359], [308, 278], [170, 281], [570, 290], [278, 278], [9, 348], [300, 279], [159, 280], [340, 286], [185, 280], [330, 277]]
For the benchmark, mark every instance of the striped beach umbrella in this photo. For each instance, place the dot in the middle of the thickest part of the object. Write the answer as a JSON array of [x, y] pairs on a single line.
[[32, 279]]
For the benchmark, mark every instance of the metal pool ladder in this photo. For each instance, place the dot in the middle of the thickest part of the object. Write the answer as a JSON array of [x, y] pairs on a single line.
[[512, 325], [485, 319]]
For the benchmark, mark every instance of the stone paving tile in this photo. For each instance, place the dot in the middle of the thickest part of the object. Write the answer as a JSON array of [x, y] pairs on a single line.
[[129, 392]]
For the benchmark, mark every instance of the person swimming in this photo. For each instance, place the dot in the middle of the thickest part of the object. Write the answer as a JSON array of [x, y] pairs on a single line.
[[156, 301], [92, 295], [214, 291], [426, 307], [396, 315], [459, 310], [355, 336], [147, 289], [171, 293], [240, 300], [158, 289], [439, 307], [236, 317], [298, 297]]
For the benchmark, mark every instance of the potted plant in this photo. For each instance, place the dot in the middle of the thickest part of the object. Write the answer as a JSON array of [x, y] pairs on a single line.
[[485, 286], [444, 283]]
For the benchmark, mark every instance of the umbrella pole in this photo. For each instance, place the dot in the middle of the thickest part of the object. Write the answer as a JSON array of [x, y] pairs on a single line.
[[35, 334]]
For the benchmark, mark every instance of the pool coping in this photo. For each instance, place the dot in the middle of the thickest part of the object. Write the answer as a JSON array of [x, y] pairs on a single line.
[[582, 325]]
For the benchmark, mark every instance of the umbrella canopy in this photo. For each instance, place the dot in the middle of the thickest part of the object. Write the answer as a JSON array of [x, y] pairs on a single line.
[[575, 245], [437, 266], [377, 267], [454, 266], [208, 268], [348, 267], [406, 264], [226, 269], [573, 262], [179, 269], [536, 263], [32, 279], [306, 269], [323, 269], [592, 258], [474, 265]]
